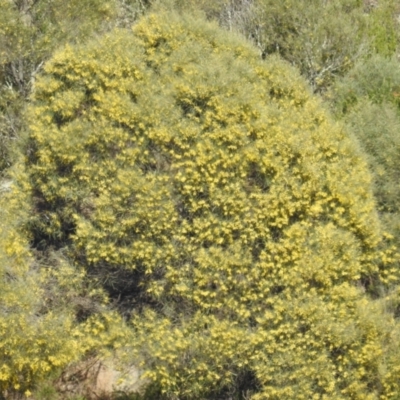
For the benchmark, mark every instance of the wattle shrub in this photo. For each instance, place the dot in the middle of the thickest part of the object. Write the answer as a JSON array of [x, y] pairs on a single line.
[[214, 199]]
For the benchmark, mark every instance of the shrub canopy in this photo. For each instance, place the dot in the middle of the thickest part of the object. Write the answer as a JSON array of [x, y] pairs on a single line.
[[213, 191]]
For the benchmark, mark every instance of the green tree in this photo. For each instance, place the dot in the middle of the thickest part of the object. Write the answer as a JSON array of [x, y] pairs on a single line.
[[214, 197]]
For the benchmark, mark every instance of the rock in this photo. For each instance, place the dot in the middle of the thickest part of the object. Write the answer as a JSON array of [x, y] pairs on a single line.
[[94, 379], [5, 185]]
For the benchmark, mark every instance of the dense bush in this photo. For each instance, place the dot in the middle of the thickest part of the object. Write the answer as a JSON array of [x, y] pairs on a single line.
[[214, 192], [368, 100], [376, 80], [32, 342], [47, 307], [377, 127], [383, 26]]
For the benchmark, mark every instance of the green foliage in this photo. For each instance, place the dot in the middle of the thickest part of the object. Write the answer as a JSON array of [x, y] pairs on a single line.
[[376, 79], [368, 99], [216, 191], [377, 127], [384, 29]]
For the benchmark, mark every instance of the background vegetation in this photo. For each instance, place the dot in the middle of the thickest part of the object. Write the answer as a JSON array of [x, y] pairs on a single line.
[[177, 195]]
